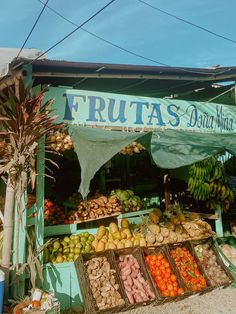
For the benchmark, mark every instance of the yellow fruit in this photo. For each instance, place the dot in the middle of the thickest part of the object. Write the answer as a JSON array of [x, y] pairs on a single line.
[[115, 241], [142, 242], [127, 232], [123, 235], [101, 232], [59, 259], [124, 223], [104, 239], [136, 242], [113, 228], [128, 243], [116, 235], [111, 246], [100, 246], [120, 245]]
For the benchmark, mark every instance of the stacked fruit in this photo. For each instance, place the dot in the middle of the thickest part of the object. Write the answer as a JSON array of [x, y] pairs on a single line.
[[163, 276], [208, 259], [95, 208], [170, 227], [188, 269], [68, 249], [208, 182], [60, 141], [129, 201], [117, 238], [53, 214], [132, 148]]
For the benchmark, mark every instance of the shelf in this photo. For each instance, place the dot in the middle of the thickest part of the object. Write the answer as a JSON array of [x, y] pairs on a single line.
[[59, 230], [136, 213]]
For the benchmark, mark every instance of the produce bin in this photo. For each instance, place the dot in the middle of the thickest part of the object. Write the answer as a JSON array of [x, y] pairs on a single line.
[[189, 247], [219, 261], [230, 266], [137, 254], [89, 301], [162, 299]]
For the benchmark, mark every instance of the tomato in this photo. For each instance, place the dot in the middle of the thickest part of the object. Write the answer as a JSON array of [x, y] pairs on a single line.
[[173, 293], [166, 293], [168, 275], [160, 257], [180, 291], [157, 272], [169, 287], [162, 287], [173, 278]]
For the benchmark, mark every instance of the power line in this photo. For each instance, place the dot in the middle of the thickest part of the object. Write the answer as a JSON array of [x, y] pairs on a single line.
[[127, 50], [35, 23], [188, 22], [72, 32]]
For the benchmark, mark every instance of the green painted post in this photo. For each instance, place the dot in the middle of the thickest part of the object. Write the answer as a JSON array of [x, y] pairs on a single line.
[[218, 222]]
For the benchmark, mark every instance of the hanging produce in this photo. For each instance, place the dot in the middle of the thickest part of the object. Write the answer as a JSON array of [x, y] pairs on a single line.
[[213, 270], [59, 141], [96, 208], [208, 182], [188, 269], [132, 148], [68, 248], [128, 200], [136, 287], [103, 283]]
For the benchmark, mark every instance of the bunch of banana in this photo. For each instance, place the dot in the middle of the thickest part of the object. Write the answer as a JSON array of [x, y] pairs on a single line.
[[199, 189], [208, 182]]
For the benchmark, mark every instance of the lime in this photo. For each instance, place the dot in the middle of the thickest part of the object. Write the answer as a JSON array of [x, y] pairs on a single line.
[[72, 250], [79, 245], [77, 250], [90, 238], [66, 250], [71, 244], [83, 240], [64, 243], [71, 255], [86, 234], [67, 239], [56, 245], [87, 248]]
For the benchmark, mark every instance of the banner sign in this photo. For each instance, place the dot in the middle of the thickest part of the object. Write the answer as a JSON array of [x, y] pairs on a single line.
[[114, 110]]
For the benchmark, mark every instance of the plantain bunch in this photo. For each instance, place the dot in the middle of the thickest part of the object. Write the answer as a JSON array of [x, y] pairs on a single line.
[[208, 182]]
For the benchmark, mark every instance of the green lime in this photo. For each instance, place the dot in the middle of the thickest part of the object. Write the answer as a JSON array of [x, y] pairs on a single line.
[[77, 250], [86, 234], [79, 245], [83, 240], [91, 238], [67, 239]]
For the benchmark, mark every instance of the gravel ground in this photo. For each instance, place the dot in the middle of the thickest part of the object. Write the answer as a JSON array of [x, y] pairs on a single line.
[[215, 302]]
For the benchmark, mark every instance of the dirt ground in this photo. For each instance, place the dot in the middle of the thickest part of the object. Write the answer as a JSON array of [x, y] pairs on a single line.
[[215, 302]]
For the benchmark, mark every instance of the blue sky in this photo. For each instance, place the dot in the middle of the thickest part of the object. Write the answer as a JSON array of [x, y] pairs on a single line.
[[129, 24]]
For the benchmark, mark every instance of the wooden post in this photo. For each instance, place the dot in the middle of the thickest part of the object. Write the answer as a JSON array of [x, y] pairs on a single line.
[[167, 192]]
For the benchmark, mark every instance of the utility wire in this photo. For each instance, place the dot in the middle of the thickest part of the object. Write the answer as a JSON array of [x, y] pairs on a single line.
[[72, 32], [127, 50], [35, 23], [188, 22]]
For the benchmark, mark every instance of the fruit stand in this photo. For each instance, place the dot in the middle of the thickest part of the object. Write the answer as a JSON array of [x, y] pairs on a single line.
[[100, 126]]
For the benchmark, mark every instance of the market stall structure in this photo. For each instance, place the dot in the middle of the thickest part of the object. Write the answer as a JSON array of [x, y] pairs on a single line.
[[176, 132]]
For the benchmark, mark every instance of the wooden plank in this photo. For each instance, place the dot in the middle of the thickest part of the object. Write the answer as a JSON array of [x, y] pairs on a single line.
[[203, 215]]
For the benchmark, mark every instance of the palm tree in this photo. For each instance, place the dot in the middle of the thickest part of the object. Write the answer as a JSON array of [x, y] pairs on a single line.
[[24, 120]]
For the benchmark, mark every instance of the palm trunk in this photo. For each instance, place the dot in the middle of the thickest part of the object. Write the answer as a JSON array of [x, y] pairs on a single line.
[[8, 231]]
